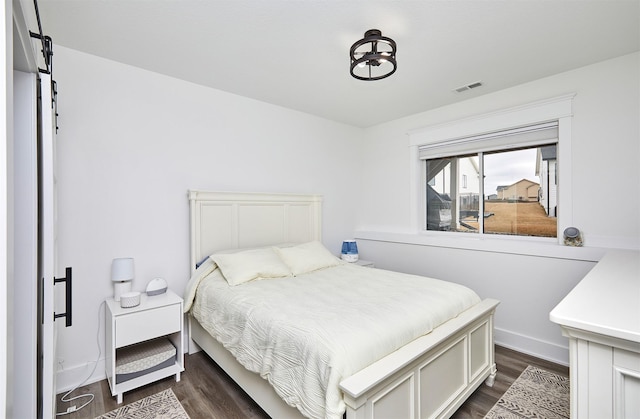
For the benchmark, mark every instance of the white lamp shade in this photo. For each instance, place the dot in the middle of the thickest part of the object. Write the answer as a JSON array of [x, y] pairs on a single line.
[[122, 269]]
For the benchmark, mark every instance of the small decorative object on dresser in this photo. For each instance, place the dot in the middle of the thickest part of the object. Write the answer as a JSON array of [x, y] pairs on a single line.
[[572, 237], [144, 343]]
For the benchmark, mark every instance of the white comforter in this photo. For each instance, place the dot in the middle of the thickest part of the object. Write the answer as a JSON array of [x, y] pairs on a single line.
[[306, 334]]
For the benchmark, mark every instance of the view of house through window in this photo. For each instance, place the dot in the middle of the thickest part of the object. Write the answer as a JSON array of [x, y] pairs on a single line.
[[518, 189]]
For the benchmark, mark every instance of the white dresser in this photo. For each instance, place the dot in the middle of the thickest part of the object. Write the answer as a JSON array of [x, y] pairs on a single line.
[[601, 318]]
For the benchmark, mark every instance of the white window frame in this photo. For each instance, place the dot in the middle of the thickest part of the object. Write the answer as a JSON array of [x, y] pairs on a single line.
[[554, 109]]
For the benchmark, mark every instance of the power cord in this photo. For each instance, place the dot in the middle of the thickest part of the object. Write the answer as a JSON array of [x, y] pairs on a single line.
[[72, 409]]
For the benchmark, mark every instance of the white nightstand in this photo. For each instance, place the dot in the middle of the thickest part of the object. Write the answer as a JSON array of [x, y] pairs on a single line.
[[365, 263], [156, 317]]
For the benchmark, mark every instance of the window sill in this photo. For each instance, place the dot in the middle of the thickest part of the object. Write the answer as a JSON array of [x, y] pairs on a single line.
[[511, 245]]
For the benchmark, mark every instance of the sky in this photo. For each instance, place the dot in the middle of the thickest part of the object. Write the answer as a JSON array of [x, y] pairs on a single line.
[[504, 169]]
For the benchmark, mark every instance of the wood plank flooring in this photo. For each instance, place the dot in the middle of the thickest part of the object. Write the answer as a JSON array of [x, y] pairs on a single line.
[[206, 391]]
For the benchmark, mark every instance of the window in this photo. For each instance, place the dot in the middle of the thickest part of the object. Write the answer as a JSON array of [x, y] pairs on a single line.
[[514, 172]]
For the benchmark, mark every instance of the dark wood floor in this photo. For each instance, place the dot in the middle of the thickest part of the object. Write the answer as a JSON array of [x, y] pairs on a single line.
[[206, 391]]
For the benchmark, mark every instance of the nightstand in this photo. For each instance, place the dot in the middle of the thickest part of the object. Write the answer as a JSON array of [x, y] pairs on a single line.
[[365, 263], [149, 328]]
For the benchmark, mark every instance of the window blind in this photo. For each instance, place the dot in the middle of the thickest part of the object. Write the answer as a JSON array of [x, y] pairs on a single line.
[[528, 136]]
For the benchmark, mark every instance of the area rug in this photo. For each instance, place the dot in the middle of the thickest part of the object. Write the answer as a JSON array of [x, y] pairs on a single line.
[[537, 393], [164, 405]]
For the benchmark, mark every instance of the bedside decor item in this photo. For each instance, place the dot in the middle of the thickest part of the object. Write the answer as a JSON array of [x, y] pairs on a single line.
[[349, 251], [156, 286], [373, 57], [130, 299], [121, 275], [572, 237]]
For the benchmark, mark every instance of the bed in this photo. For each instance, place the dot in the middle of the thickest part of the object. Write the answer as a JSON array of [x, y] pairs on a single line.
[[425, 374]]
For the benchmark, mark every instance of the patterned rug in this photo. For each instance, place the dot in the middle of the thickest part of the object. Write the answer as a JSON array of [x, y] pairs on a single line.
[[164, 405], [537, 393]]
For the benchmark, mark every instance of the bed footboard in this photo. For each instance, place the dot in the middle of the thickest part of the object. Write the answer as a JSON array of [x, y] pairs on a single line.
[[430, 377]]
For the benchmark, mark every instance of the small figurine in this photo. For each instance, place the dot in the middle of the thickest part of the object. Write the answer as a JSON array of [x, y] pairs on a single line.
[[572, 237]]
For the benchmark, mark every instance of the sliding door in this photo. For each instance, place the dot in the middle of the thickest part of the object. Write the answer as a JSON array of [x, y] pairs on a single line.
[[46, 252], [31, 339], [33, 192], [24, 196]]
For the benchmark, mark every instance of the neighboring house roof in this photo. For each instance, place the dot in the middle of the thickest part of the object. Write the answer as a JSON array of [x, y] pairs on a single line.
[[525, 180], [529, 183]]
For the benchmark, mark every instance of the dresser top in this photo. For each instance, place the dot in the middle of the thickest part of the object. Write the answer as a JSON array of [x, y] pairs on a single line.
[[607, 300]]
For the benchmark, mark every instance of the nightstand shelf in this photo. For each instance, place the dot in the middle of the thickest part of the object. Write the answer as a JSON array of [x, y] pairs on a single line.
[[156, 317]]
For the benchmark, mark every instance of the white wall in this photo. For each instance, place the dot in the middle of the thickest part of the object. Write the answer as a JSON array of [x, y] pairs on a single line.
[[6, 178], [130, 145], [604, 161], [132, 142]]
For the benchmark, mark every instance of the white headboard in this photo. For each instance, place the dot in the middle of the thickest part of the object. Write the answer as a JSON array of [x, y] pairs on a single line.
[[232, 220]]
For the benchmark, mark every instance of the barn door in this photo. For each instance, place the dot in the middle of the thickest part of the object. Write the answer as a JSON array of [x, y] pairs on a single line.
[[46, 252]]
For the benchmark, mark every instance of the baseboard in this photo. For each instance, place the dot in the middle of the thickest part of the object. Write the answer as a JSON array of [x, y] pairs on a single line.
[[70, 378], [532, 346]]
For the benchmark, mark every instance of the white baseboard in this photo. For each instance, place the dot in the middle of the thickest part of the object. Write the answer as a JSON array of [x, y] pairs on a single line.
[[532, 346], [70, 378]]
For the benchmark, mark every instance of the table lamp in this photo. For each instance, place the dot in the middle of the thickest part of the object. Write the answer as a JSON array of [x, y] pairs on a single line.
[[121, 275]]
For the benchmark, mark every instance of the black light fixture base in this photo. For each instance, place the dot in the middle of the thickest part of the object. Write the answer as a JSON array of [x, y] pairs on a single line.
[[373, 57]]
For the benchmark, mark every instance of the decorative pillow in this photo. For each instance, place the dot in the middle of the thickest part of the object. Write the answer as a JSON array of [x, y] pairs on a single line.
[[248, 265], [307, 257]]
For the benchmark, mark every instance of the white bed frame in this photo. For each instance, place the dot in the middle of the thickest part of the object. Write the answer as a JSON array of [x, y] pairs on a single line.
[[428, 378]]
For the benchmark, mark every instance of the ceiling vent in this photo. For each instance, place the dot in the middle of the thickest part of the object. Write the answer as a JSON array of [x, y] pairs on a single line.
[[468, 87]]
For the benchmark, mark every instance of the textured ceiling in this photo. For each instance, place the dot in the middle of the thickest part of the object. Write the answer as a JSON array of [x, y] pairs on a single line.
[[295, 53]]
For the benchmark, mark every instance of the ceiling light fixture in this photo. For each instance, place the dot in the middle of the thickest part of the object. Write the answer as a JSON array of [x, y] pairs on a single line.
[[373, 57]]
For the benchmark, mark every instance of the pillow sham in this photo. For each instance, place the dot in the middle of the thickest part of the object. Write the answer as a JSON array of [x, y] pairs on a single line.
[[244, 266], [205, 268], [307, 257]]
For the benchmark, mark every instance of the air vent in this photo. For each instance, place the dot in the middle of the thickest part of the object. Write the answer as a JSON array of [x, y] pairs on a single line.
[[468, 87]]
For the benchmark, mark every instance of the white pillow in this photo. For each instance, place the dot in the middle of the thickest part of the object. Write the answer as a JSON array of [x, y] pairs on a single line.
[[205, 268], [307, 257], [248, 265]]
